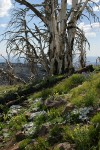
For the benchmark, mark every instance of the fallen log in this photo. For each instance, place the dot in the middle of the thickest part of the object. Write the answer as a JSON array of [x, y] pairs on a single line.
[[88, 68]]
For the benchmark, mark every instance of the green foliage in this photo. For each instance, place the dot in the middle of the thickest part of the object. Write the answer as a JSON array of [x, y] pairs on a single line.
[[66, 85], [94, 135], [45, 93], [16, 122], [90, 98], [63, 87], [40, 120], [96, 119], [97, 68], [24, 143], [53, 113], [85, 137], [87, 94], [42, 144], [80, 135], [55, 135], [96, 125]]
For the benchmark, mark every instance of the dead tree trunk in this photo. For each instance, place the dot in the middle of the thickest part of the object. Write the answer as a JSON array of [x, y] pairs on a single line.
[[61, 26]]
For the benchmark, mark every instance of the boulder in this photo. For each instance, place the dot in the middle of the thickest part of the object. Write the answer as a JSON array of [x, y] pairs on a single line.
[[54, 103], [29, 128], [27, 115], [36, 114], [69, 107]]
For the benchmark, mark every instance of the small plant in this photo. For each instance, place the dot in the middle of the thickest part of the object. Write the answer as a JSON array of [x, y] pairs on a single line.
[[53, 113], [24, 143], [79, 115], [55, 135], [45, 93], [66, 85], [80, 136], [96, 124], [96, 119], [42, 144], [16, 122], [90, 98], [39, 120]]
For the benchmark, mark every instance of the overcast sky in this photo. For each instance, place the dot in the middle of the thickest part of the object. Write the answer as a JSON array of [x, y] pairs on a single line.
[[92, 31]]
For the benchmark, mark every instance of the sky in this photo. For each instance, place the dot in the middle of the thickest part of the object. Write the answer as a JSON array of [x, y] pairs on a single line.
[[92, 31]]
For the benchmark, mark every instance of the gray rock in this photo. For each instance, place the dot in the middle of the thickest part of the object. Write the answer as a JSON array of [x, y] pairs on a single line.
[[14, 110], [29, 129], [36, 114], [54, 103]]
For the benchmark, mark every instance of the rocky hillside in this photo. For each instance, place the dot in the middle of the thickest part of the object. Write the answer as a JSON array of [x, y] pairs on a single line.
[[59, 113]]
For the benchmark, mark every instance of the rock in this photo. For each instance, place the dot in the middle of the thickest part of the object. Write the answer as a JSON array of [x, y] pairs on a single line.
[[69, 107], [27, 115], [65, 146], [20, 136], [5, 135], [35, 114], [10, 103], [14, 110], [35, 109], [5, 130], [37, 100], [15, 107], [29, 129], [54, 103]]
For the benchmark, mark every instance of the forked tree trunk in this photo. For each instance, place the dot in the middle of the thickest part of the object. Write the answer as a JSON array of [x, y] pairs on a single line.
[[62, 29], [57, 29]]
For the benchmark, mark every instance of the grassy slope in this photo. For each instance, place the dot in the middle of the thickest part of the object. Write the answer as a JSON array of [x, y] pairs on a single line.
[[79, 90]]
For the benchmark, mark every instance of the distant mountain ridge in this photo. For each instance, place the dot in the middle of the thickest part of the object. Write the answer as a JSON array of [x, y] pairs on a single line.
[[92, 60], [89, 60]]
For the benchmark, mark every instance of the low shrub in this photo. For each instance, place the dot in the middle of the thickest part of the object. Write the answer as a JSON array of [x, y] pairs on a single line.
[[66, 85], [96, 125], [16, 122], [45, 93], [42, 144], [23, 144], [80, 135]]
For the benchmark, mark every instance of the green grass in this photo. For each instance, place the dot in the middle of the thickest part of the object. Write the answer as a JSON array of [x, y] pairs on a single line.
[[77, 90], [88, 93], [61, 88]]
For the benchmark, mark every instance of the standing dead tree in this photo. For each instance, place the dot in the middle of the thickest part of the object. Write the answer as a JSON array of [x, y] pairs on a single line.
[[97, 60], [61, 23]]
